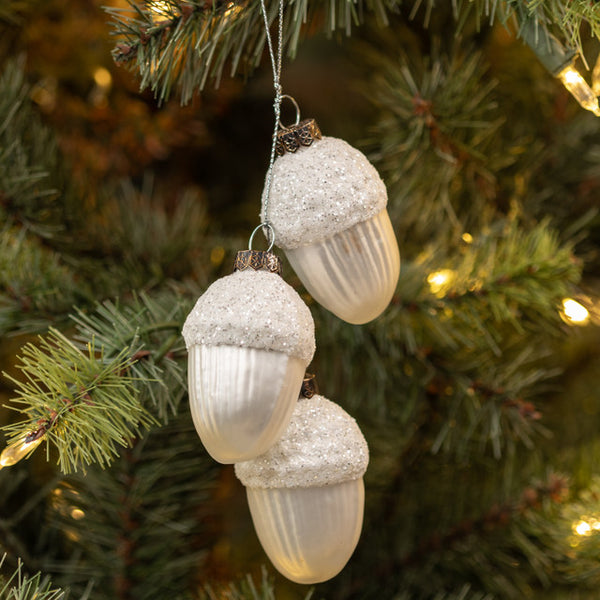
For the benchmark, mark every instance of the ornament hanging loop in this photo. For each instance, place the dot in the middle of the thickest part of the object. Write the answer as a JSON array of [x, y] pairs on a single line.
[[293, 101], [270, 235]]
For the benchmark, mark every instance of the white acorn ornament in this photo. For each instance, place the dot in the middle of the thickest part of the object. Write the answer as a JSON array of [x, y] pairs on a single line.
[[249, 339], [306, 494], [327, 206]]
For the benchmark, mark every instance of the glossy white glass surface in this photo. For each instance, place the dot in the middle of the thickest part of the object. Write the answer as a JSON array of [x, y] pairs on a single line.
[[309, 534], [241, 399], [353, 273]]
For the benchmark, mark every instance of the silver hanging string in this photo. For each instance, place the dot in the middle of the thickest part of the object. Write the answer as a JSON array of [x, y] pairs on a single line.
[[276, 65], [270, 235]]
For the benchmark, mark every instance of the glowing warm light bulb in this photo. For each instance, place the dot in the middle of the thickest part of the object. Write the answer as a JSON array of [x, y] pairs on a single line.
[[581, 91], [467, 238], [77, 513], [574, 312], [439, 280], [596, 77], [103, 78], [582, 528], [15, 452]]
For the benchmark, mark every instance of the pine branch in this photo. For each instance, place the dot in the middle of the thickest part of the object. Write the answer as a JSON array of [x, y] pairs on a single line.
[[118, 521], [31, 173], [20, 586], [509, 276], [555, 489], [514, 548], [567, 167], [84, 405], [568, 17], [464, 593], [498, 410], [177, 46], [184, 44], [469, 363], [35, 284], [151, 326], [143, 242], [22, 504], [180, 45], [434, 140], [246, 590], [483, 400], [544, 542]]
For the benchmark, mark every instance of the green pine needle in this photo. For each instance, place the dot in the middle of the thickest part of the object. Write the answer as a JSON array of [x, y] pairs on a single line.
[[189, 43], [246, 589], [20, 586], [32, 170], [83, 404], [464, 593], [151, 325], [568, 17], [184, 45], [160, 489], [34, 282], [434, 141], [504, 277]]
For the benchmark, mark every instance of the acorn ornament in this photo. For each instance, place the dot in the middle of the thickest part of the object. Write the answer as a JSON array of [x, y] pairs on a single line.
[[306, 494], [327, 206], [249, 339]]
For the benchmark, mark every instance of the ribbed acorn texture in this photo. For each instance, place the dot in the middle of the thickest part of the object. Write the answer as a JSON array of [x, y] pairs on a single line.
[[306, 494], [249, 338], [327, 206]]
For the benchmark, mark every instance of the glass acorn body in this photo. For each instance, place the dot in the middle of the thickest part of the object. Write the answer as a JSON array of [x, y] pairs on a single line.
[[306, 494], [327, 206], [249, 339]]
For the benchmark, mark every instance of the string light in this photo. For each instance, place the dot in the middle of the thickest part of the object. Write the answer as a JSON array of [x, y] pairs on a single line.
[[13, 453], [581, 91], [559, 61], [77, 513], [467, 238], [586, 526], [582, 528], [103, 83], [574, 313], [439, 281], [103, 78], [596, 77]]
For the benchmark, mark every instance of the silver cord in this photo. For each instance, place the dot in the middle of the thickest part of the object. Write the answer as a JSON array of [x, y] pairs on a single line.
[[276, 65], [270, 237]]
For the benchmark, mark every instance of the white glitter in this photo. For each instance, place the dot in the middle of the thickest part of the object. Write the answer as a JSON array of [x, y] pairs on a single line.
[[321, 190], [253, 309], [322, 445]]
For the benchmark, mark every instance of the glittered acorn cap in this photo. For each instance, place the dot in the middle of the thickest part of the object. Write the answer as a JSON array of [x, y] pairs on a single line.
[[322, 445], [255, 309], [320, 190]]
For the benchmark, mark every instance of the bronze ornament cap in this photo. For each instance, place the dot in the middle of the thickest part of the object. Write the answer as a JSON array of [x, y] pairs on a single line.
[[257, 260], [289, 139], [309, 386]]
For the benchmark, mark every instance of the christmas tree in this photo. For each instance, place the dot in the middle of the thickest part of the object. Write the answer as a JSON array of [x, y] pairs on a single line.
[[134, 143]]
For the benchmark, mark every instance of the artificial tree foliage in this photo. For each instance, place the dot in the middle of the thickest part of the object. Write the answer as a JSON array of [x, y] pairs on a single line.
[[127, 186]]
